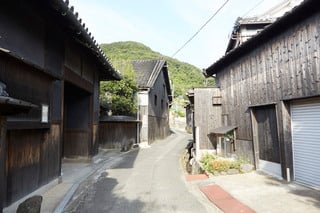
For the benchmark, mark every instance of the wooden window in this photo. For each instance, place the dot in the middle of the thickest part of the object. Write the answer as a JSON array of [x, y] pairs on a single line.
[[216, 100]]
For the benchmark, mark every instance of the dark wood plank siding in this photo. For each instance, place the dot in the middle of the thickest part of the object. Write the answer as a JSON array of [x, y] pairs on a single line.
[[96, 101], [22, 34], [54, 51], [158, 119], [33, 160], [56, 95], [73, 58], [77, 122], [50, 155], [76, 143], [39, 56], [189, 119], [116, 135], [18, 77], [95, 139], [3, 148], [269, 149], [78, 60], [206, 115], [286, 67], [158, 128]]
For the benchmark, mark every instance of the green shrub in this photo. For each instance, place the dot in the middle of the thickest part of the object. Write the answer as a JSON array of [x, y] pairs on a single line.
[[211, 163], [221, 165], [207, 162]]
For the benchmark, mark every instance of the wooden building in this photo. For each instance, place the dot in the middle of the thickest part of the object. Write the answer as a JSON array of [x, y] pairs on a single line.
[[48, 58], [189, 117], [205, 104], [118, 132], [154, 99], [270, 90], [246, 28]]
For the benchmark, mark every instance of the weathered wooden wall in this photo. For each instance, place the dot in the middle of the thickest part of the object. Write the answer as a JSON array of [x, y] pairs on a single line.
[[286, 67], [158, 128], [81, 110], [33, 148], [38, 58], [32, 160], [117, 134], [207, 115], [23, 82], [189, 119], [158, 119], [3, 153], [23, 34], [77, 125], [32, 155]]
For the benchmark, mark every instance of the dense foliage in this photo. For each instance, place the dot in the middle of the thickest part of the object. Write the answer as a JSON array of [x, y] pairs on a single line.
[[119, 97], [183, 75]]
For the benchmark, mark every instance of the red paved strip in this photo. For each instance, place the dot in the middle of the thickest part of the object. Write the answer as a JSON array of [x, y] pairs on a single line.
[[223, 200], [196, 177]]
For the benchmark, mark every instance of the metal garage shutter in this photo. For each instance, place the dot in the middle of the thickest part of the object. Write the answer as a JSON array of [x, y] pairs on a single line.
[[305, 120]]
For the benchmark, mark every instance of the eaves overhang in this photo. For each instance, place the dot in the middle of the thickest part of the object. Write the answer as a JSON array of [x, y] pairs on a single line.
[[82, 35], [297, 15]]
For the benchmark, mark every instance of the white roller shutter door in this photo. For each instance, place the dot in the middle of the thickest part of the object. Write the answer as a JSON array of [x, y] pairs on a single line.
[[305, 124]]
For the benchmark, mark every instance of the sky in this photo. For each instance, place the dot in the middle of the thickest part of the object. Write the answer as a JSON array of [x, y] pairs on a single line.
[[166, 25]]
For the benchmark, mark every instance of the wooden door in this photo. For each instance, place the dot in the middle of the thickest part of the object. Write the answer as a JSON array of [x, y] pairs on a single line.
[[267, 140]]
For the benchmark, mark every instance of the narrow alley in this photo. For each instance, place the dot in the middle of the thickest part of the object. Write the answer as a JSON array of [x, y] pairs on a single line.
[[144, 180]]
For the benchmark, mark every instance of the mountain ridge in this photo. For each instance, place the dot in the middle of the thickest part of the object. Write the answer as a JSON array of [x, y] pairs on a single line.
[[183, 75]]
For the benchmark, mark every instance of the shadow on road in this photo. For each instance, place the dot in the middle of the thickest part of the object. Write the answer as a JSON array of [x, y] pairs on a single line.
[[96, 193], [100, 198], [130, 159], [312, 195]]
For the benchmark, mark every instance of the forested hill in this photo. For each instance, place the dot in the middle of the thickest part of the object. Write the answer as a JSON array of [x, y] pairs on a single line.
[[183, 75]]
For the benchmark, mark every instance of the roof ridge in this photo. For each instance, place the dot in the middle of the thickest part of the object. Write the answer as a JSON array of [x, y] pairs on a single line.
[[155, 71], [143, 60]]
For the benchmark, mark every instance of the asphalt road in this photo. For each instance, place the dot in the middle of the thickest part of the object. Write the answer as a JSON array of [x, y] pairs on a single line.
[[143, 180]]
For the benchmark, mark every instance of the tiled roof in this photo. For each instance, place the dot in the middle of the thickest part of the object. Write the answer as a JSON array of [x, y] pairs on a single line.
[[82, 35], [147, 71], [306, 9], [255, 20]]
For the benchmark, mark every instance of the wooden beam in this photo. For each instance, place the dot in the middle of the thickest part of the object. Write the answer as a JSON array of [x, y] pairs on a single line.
[[2, 161], [77, 80], [285, 139], [255, 139]]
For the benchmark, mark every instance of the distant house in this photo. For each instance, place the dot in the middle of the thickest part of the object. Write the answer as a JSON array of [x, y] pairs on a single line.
[[51, 66], [154, 99], [270, 90], [204, 113]]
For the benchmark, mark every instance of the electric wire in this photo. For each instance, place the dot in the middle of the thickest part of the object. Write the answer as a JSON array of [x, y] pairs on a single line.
[[254, 7], [194, 35]]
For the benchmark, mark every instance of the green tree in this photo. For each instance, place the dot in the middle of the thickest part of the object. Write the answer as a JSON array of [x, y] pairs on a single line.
[[120, 96], [183, 75]]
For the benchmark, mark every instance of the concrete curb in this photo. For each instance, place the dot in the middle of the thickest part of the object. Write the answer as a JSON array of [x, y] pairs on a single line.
[[65, 200]]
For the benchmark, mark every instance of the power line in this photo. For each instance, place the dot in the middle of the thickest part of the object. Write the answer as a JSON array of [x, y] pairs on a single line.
[[254, 7], [192, 37]]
